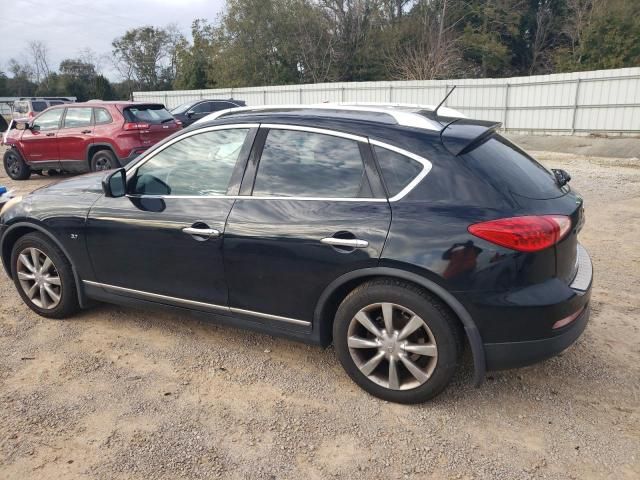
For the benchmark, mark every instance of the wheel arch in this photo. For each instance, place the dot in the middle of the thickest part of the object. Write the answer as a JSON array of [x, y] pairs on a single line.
[[337, 290], [19, 230]]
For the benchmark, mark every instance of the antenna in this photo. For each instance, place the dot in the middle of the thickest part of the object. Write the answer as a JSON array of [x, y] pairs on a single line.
[[435, 112]]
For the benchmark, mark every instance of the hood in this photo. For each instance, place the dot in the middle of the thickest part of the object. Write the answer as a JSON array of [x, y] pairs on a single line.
[[87, 183]]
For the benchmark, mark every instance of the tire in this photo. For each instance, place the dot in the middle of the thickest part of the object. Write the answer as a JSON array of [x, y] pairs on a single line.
[[103, 160], [437, 337], [15, 166], [25, 277]]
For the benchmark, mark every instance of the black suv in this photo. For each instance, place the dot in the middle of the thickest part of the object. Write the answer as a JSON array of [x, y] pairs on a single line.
[[190, 112], [396, 234]]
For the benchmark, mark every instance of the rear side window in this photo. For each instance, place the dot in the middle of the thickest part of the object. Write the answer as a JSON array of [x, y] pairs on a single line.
[[39, 106], [153, 114], [102, 116], [222, 106], [77, 117], [21, 107], [507, 168], [306, 164], [397, 170]]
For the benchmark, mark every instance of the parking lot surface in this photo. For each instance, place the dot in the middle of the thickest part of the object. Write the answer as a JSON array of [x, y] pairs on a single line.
[[131, 394]]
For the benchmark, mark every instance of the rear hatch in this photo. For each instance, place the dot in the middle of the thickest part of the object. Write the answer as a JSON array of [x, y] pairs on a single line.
[[532, 188], [152, 122]]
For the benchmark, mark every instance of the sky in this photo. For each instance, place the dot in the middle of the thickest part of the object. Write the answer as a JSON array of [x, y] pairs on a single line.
[[69, 26]]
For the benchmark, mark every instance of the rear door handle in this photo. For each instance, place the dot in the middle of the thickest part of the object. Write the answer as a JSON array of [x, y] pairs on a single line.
[[51, 134], [203, 233], [345, 242], [85, 131]]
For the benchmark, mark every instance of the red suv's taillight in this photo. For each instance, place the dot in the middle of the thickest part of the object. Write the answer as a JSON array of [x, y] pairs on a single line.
[[135, 126], [525, 234]]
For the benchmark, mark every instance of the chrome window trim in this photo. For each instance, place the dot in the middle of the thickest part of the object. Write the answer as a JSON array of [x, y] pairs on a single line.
[[426, 168], [133, 166], [427, 165], [194, 303]]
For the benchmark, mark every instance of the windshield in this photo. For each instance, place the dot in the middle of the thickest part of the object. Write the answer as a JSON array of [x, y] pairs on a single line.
[[183, 108]]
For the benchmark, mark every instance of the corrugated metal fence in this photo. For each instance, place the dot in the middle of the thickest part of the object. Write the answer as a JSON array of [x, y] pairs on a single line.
[[602, 101]]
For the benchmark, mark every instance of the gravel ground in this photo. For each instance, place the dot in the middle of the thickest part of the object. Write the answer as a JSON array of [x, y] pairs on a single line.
[[129, 394]]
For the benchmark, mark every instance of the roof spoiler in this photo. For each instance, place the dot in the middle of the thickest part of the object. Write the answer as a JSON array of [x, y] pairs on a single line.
[[461, 134]]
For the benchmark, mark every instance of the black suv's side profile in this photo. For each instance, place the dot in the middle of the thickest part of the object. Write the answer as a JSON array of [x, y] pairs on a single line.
[[397, 235]]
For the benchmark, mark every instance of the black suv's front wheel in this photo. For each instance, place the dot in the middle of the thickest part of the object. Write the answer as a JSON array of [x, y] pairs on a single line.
[[396, 341], [15, 166]]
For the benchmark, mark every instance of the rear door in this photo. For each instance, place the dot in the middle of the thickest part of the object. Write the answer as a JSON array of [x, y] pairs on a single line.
[[76, 134], [316, 211], [153, 122], [40, 142]]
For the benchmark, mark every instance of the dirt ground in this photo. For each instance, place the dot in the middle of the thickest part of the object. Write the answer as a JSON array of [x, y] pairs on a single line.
[[117, 393]]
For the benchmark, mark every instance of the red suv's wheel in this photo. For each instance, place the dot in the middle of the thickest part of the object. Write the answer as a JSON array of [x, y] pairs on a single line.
[[15, 166], [103, 160]]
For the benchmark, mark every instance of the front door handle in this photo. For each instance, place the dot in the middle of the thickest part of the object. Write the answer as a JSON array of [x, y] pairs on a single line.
[[202, 233], [85, 131], [345, 242], [51, 134]]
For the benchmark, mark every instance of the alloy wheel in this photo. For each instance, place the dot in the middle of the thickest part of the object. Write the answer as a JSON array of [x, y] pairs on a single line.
[[13, 165], [392, 346], [103, 163], [39, 278]]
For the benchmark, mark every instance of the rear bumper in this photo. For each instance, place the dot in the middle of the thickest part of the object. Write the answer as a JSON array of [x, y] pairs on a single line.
[[500, 356], [504, 355]]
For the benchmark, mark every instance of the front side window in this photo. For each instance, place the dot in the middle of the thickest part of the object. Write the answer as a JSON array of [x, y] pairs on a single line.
[[199, 165], [397, 170], [48, 120], [202, 108], [305, 164], [77, 117]]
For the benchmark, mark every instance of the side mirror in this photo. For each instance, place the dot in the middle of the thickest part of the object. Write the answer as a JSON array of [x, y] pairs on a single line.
[[191, 113], [22, 125], [114, 185]]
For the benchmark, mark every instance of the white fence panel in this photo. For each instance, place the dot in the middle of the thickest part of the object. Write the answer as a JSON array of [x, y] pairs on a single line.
[[603, 101]]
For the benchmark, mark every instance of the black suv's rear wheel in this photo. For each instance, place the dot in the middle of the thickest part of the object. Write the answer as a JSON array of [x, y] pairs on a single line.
[[396, 341], [15, 166], [43, 276]]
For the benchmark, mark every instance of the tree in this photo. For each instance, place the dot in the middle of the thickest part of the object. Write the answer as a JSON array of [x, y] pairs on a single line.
[[39, 56], [148, 56]]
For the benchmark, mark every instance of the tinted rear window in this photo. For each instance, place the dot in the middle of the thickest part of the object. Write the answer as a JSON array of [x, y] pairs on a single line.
[[153, 114], [508, 168], [39, 106]]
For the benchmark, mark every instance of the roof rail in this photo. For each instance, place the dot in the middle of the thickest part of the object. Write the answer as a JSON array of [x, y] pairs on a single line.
[[403, 114]]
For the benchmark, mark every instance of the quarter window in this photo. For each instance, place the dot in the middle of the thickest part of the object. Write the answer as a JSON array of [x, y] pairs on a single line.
[[102, 116], [48, 120], [306, 164], [397, 170], [199, 165], [77, 117]]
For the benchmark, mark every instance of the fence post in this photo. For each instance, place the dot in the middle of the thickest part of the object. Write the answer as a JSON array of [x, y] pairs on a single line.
[[264, 96], [506, 107], [300, 95], [575, 107], [341, 93], [390, 93]]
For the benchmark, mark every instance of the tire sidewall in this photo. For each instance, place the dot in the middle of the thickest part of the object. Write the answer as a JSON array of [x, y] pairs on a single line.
[[440, 326], [25, 171], [68, 301]]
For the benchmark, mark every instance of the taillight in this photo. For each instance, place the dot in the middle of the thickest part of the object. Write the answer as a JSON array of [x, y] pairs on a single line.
[[31, 114], [524, 234], [135, 126]]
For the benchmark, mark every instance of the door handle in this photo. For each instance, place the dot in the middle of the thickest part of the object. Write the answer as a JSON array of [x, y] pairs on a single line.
[[85, 131], [345, 242], [204, 233], [51, 135]]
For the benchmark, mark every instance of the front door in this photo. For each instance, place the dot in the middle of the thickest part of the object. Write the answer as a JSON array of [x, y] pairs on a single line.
[[317, 211], [40, 142], [75, 136], [163, 241]]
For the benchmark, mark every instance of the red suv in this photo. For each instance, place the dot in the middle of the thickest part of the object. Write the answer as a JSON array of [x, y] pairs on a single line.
[[84, 137]]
